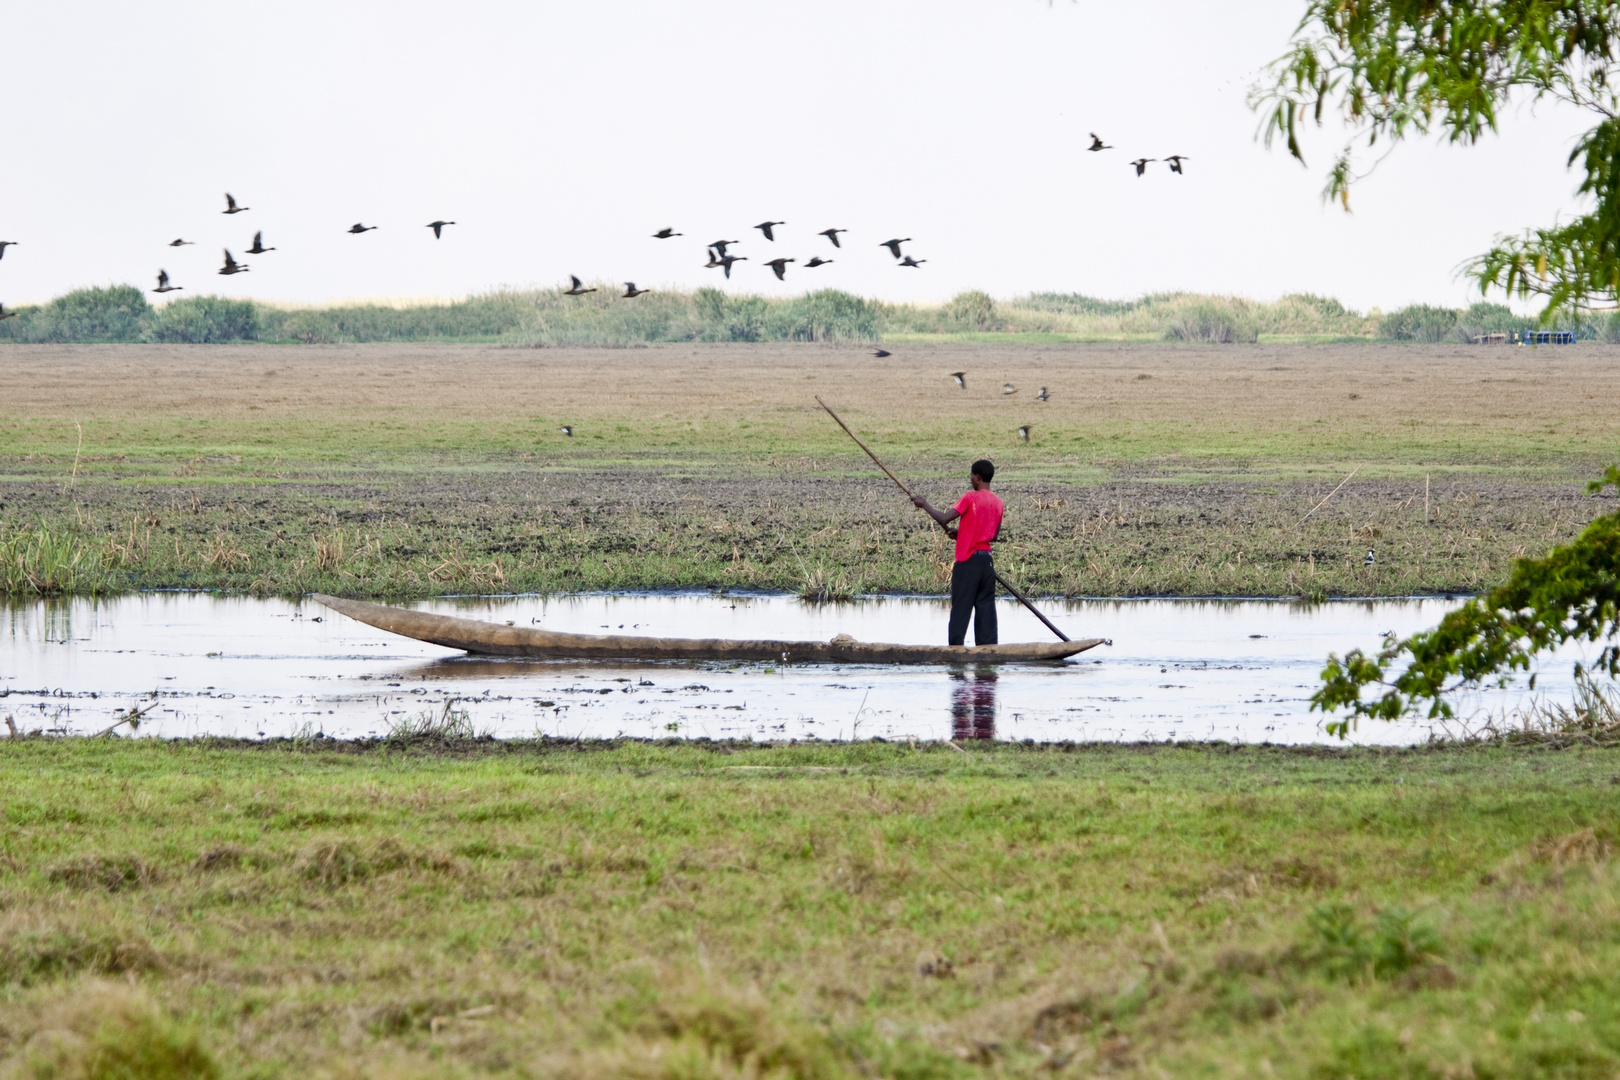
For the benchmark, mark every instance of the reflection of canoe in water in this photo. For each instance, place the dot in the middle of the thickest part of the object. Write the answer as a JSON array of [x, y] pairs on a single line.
[[491, 639]]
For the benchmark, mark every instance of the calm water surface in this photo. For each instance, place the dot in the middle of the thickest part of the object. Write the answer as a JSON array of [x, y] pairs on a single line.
[[1178, 669]]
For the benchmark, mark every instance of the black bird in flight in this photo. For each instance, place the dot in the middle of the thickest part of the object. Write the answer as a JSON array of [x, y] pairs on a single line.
[[5, 244], [720, 246], [437, 227], [1042, 395], [961, 379], [1175, 161], [231, 265], [258, 247], [631, 292], [177, 242], [881, 353], [817, 260], [1097, 143], [1141, 164], [713, 262], [832, 234], [4, 314], [780, 266], [728, 260], [766, 227], [231, 207], [894, 245], [666, 233], [568, 430], [163, 283], [579, 288], [909, 261], [1023, 432], [358, 228]]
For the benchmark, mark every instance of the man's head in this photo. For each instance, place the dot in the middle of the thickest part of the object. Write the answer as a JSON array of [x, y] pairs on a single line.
[[981, 474]]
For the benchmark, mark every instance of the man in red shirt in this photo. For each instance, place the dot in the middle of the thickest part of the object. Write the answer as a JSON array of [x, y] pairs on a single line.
[[973, 580]]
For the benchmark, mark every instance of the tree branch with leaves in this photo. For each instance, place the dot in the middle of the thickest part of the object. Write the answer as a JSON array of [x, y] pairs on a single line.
[[1395, 69]]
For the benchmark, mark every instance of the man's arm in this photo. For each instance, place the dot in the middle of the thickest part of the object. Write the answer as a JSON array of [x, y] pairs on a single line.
[[944, 517]]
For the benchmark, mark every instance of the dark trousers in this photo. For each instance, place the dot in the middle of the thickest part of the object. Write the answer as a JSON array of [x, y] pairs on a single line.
[[973, 593]]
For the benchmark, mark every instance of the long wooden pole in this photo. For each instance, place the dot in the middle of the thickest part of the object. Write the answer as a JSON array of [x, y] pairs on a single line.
[[1005, 584]]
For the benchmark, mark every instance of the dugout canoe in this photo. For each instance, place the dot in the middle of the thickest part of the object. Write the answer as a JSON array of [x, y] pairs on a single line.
[[491, 639]]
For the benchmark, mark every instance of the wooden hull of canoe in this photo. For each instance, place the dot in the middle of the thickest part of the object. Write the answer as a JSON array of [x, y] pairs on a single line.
[[490, 639]]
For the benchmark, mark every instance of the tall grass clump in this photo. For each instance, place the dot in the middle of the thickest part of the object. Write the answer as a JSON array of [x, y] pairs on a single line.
[[1222, 320], [46, 562]]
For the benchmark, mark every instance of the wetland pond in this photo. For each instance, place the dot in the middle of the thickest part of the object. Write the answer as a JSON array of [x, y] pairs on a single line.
[[1240, 671]]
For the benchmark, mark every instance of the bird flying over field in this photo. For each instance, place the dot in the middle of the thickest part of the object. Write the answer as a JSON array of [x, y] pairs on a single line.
[[177, 242], [881, 353], [1175, 161], [1097, 143], [780, 266], [894, 245], [909, 261], [1008, 388], [766, 227], [727, 260], [817, 260], [719, 246], [231, 265], [961, 379], [568, 430], [579, 288], [358, 228], [1141, 164], [665, 233], [231, 207], [1042, 395], [163, 283], [1023, 432], [832, 234], [5, 244], [437, 227], [258, 247], [631, 292], [4, 314], [713, 262]]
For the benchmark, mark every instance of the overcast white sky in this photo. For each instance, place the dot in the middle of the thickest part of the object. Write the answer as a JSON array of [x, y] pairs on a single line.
[[560, 135]]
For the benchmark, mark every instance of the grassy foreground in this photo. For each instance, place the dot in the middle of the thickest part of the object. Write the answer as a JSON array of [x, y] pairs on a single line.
[[692, 911]]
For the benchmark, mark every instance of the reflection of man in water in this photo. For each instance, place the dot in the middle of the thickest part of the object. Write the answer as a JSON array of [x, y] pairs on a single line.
[[973, 580], [973, 704]]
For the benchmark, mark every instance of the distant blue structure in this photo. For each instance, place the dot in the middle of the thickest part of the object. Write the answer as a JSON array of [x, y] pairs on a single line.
[[1549, 337]]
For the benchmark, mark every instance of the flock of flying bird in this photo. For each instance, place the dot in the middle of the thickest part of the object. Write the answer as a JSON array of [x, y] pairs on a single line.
[[1141, 164], [720, 258]]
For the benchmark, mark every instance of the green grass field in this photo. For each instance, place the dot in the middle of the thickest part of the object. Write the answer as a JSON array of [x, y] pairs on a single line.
[[881, 910]]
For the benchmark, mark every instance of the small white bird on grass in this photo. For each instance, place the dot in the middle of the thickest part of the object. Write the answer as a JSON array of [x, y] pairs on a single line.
[[1042, 395], [1008, 388], [568, 430]]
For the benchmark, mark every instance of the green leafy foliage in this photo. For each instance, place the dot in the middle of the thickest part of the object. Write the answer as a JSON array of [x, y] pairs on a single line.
[[1394, 69], [201, 320], [1573, 594]]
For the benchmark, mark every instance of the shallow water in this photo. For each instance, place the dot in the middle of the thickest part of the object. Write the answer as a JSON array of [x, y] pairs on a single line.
[[1178, 669]]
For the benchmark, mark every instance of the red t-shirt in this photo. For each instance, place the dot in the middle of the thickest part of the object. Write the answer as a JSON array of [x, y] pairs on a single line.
[[979, 523]]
